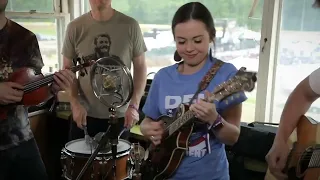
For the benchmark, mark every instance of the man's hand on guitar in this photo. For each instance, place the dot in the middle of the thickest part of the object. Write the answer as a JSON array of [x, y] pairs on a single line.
[[277, 158], [205, 111], [153, 130], [10, 92], [63, 80]]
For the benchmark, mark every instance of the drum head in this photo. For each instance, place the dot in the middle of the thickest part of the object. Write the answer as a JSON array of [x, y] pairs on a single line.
[[79, 147]]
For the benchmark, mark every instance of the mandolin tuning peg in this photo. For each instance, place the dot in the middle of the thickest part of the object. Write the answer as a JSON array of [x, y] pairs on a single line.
[[74, 62], [82, 73], [79, 60]]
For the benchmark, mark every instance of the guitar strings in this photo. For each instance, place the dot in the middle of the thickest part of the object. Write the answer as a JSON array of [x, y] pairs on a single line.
[[307, 156], [38, 83], [34, 85]]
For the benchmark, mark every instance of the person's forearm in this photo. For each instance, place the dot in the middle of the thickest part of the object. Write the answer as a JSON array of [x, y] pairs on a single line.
[[74, 94], [228, 134], [139, 84], [296, 106]]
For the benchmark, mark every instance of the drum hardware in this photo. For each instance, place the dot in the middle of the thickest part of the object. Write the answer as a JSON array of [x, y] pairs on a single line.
[[137, 153], [109, 78], [104, 140], [76, 153]]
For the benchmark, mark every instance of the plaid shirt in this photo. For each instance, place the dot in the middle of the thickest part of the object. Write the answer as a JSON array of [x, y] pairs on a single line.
[[18, 48]]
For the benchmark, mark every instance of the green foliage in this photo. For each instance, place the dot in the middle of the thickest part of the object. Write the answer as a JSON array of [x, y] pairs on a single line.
[[297, 14], [27, 5]]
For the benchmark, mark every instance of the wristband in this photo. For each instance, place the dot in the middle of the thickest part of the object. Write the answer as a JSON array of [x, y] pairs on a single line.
[[218, 123], [133, 107]]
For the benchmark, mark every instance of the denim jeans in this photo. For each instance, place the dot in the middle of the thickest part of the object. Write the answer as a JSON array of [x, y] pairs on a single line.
[[22, 162]]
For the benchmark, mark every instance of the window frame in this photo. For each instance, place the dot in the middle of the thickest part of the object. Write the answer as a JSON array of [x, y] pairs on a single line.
[[67, 10], [62, 16], [270, 29], [268, 56]]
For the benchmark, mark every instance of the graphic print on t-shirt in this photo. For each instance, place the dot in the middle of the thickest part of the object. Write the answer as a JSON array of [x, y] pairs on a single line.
[[102, 46], [198, 146], [5, 64]]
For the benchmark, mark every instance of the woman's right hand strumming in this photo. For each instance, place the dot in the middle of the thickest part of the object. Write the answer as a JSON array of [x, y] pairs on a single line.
[[79, 114], [152, 130], [10, 92]]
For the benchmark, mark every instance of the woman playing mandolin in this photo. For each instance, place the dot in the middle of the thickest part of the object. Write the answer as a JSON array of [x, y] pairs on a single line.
[[193, 30]]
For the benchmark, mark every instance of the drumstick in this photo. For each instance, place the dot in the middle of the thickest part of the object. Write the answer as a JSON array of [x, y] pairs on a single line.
[[123, 130]]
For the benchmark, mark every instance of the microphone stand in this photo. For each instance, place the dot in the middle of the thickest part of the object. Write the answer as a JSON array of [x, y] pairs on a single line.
[[114, 138], [103, 141]]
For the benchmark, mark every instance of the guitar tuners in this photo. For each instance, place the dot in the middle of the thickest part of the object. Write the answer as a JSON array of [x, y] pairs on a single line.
[[77, 61]]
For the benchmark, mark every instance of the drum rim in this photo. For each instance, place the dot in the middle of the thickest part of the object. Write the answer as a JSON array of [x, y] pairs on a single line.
[[77, 154]]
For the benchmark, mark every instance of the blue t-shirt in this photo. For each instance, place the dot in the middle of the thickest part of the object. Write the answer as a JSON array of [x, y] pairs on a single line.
[[169, 89]]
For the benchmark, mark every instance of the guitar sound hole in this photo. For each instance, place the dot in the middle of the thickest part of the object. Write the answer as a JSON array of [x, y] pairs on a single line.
[[305, 160]]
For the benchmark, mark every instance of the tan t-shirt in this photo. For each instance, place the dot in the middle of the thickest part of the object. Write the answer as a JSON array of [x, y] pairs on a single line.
[[89, 39]]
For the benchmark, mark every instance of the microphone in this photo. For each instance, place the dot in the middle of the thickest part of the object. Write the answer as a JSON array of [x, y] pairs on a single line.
[[109, 82]]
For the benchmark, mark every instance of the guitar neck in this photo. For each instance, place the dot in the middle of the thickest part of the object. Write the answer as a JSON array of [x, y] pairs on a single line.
[[242, 81], [181, 121], [188, 116], [46, 80], [38, 84], [314, 161]]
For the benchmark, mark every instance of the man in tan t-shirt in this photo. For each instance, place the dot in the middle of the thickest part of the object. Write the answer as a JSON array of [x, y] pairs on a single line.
[[103, 32]]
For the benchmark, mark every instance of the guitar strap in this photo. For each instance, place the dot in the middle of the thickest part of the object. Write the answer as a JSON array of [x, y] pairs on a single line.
[[203, 85], [207, 78]]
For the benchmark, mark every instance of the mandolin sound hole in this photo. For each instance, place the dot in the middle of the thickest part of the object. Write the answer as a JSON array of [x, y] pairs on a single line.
[[304, 161]]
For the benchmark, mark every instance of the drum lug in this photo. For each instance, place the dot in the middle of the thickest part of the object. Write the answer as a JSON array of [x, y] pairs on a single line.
[[103, 166], [72, 163], [130, 166], [63, 160]]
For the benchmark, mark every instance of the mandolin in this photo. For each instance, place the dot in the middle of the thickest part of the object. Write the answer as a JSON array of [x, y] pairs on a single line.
[[303, 161], [165, 158], [36, 89]]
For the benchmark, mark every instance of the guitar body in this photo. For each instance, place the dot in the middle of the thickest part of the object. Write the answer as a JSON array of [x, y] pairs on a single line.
[[301, 165], [165, 158], [23, 76]]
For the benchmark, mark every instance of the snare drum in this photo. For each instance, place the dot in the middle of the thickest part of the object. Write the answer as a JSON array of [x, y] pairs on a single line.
[[76, 153]]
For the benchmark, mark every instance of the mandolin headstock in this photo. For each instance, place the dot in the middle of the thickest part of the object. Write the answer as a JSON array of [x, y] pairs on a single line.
[[82, 66], [242, 81]]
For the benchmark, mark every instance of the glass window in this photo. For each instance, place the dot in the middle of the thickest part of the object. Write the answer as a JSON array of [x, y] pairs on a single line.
[[46, 32], [28, 5], [237, 42], [299, 52]]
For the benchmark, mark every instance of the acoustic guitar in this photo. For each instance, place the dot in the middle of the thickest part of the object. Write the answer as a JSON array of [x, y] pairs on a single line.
[[164, 159], [303, 161]]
